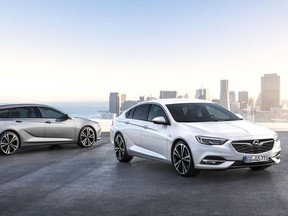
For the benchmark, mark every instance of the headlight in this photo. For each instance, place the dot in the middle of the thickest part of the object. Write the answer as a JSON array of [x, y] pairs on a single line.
[[210, 140], [276, 138]]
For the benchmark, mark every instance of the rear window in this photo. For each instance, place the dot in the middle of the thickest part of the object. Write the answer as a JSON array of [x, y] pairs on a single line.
[[141, 111], [130, 113], [24, 112], [4, 113]]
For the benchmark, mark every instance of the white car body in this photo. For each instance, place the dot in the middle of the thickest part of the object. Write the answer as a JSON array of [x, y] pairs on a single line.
[[152, 139]]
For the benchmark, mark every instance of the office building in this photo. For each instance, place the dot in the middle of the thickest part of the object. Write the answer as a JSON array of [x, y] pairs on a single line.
[[243, 99], [149, 98], [127, 104], [168, 94], [224, 94], [217, 101], [123, 98], [202, 94], [270, 92], [142, 98], [114, 103], [232, 97], [234, 105]]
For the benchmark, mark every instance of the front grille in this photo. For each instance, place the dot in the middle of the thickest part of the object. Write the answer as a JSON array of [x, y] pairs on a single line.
[[247, 146]]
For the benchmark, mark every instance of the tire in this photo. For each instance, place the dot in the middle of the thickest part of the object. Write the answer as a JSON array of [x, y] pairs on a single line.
[[259, 167], [120, 149], [9, 143], [87, 137], [182, 160]]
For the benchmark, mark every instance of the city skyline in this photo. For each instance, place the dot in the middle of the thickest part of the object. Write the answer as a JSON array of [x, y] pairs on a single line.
[[82, 51], [226, 97]]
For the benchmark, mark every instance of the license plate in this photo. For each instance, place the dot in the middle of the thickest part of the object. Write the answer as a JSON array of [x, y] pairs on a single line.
[[255, 158]]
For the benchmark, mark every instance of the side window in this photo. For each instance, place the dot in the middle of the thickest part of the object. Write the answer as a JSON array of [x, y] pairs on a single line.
[[130, 113], [140, 112], [4, 113], [51, 113], [24, 112], [156, 111], [14, 113]]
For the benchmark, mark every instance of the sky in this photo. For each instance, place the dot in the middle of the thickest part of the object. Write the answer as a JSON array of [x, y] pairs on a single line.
[[68, 50]]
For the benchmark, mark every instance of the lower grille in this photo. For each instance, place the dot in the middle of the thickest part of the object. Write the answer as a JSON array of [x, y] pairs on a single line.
[[240, 164], [252, 147]]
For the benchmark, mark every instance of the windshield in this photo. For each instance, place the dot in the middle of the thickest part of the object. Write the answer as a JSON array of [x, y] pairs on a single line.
[[200, 112]]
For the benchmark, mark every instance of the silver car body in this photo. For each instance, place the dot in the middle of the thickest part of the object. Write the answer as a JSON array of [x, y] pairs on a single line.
[[38, 129], [149, 139]]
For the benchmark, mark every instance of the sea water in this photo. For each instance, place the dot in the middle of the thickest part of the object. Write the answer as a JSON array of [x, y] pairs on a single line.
[[82, 109]]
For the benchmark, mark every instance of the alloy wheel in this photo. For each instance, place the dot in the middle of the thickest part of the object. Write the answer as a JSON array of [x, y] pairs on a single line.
[[87, 137], [181, 158], [9, 143], [183, 161], [120, 149]]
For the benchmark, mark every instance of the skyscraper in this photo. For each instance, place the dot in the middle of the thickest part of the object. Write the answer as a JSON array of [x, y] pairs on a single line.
[[123, 98], [224, 94], [114, 103], [243, 99], [234, 107], [232, 97], [202, 94], [270, 91]]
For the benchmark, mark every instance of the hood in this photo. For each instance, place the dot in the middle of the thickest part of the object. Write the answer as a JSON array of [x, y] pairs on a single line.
[[229, 129]]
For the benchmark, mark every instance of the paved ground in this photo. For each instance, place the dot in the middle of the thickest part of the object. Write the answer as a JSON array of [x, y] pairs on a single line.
[[67, 180]]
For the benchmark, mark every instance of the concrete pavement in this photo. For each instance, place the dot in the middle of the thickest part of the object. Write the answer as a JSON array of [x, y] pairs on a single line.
[[67, 180]]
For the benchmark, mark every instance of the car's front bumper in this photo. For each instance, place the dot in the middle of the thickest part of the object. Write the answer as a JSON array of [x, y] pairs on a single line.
[[226, 157]]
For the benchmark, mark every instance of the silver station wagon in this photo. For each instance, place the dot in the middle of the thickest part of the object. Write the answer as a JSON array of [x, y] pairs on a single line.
[[32, 124]]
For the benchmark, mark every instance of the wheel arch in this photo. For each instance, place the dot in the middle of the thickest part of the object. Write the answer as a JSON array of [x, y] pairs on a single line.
[[188, 146], [116, 133], [16, 132], [89, 127]]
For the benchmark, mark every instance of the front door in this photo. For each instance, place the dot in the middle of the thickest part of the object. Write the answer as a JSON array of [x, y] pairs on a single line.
[[57, 126]]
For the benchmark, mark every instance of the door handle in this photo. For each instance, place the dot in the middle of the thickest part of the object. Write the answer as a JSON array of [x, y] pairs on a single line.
[[127, 122], [18, 121], [48, 122], [146, 127]]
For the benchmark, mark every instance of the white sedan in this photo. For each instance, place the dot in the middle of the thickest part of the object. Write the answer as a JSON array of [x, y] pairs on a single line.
[[193, 135]]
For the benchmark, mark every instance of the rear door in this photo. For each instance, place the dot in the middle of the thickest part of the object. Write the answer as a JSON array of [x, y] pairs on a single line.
[[29, 123], [135, 121]]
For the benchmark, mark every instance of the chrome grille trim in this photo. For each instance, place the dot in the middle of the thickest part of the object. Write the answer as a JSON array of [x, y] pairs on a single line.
[[246, 146]]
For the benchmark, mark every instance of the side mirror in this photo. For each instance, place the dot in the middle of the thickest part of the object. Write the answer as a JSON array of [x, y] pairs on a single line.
[[159, 120], [239, 116], [65, 117]]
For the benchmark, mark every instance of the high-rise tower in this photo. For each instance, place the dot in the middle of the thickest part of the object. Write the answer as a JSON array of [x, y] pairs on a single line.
[[114, 103], [224, 94], [270, 91], [202, 94]]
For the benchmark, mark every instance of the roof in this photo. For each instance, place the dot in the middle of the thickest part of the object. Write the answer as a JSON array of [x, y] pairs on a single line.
[[178, 100], [3, 106]]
